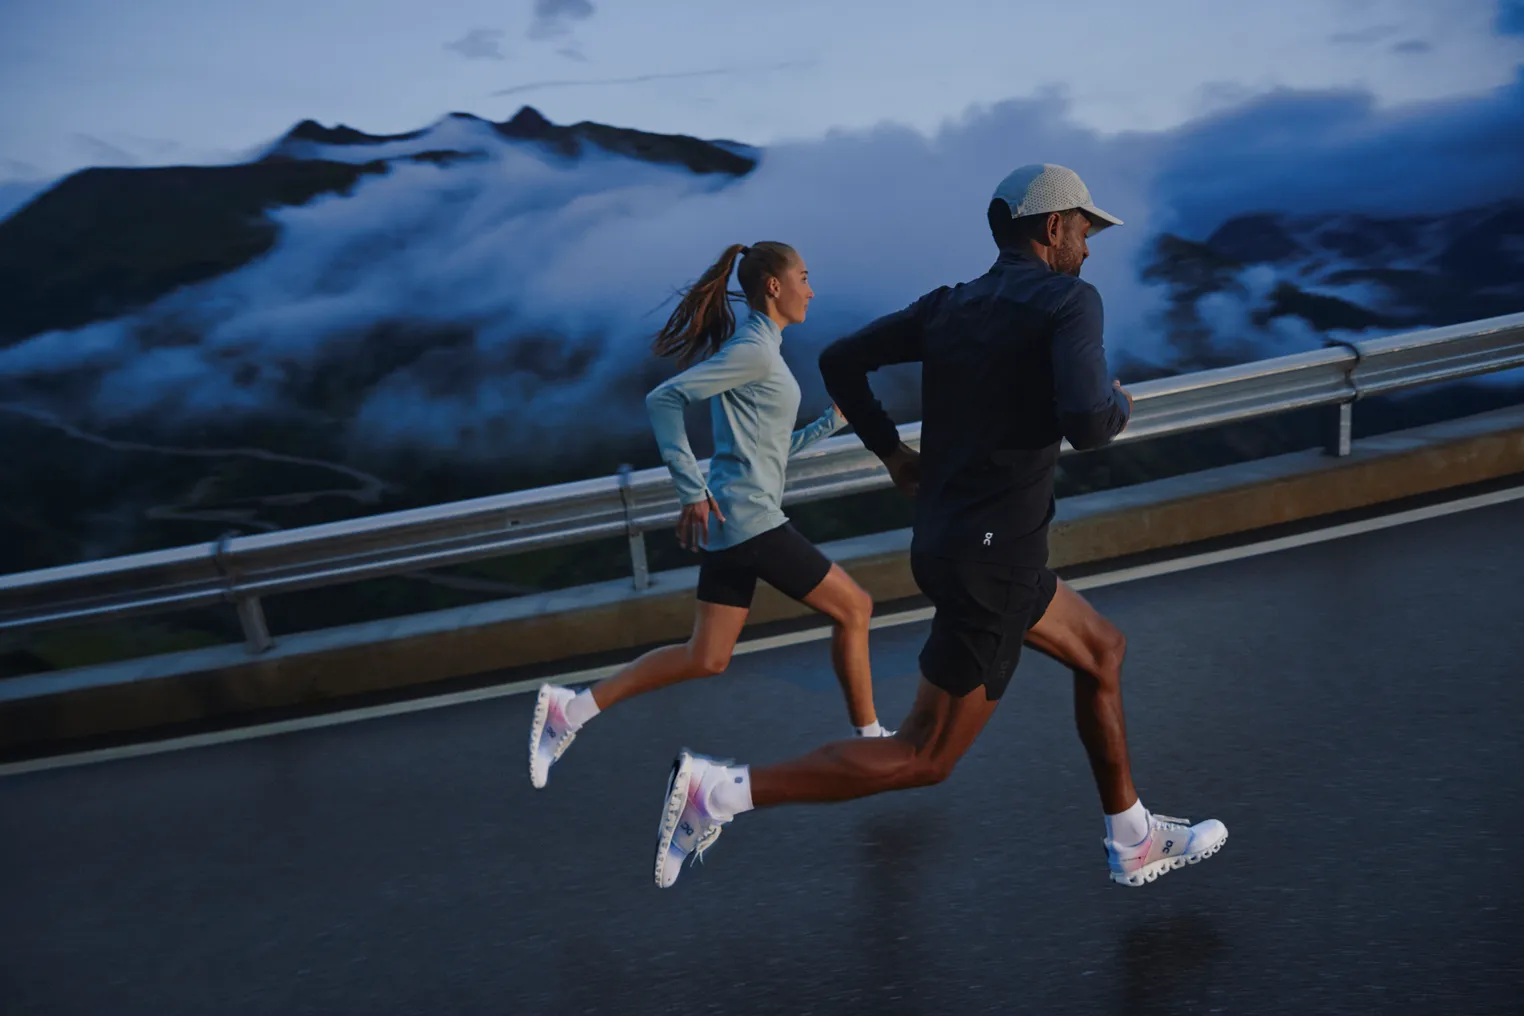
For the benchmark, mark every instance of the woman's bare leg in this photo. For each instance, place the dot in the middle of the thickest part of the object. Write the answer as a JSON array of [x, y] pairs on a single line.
[[716, 629], [851, 608]]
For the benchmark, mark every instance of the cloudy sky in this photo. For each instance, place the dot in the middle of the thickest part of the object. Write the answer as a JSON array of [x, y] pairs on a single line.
[[102, 82]]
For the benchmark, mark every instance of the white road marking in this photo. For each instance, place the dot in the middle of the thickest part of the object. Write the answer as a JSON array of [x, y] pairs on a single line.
[[759, 645]]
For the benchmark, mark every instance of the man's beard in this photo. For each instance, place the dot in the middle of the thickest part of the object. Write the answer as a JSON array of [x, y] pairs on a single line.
[[1068, 260]]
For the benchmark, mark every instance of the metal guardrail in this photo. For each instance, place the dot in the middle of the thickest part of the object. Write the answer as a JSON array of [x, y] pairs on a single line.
[[240, 570]]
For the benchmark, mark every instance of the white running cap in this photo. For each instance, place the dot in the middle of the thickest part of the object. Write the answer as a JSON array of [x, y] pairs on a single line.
[[1043, 187]]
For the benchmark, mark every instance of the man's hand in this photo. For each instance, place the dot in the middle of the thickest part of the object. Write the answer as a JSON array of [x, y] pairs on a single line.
[[904, 465], [693, 523], [1126, 395]]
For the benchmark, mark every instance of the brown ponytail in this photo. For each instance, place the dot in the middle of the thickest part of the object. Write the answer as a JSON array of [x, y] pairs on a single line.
[[703, 319]]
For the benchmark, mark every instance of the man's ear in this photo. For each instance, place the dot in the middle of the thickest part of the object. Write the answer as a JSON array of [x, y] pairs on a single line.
[[1054, 228]]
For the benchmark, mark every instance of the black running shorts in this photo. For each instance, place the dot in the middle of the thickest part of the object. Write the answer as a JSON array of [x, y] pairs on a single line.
[[983, 612], [781, 557]]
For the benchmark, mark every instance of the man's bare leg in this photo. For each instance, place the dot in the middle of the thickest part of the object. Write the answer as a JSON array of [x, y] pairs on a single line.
[[934, 737], [1075, 634], [704, 794], [940, 728], [1141, 846]]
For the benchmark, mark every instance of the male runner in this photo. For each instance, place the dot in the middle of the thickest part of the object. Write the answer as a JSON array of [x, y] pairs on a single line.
[[1011, 363]]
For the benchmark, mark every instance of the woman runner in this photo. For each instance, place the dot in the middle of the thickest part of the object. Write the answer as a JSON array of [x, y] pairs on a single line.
[[735, 521]]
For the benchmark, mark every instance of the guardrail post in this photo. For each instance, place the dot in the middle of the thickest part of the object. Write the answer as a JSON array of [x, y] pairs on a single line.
[[251, 616], [1340, 429], [639, 568], [256, 634], [1341, 422]]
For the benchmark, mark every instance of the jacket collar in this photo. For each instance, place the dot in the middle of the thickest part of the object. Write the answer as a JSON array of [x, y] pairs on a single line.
[[1014, 257], [763, 325]]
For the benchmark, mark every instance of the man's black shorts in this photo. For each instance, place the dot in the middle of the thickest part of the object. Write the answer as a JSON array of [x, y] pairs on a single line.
[[781, 557], [983, 612]]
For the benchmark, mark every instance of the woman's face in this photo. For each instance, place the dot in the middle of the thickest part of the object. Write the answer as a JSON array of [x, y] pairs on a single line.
[[791, 294]]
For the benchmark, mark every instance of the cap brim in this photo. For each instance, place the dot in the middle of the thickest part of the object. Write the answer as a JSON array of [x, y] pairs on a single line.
[[1099, 220]]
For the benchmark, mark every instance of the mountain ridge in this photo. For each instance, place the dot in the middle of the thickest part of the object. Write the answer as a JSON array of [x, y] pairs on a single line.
[[529, 124], [1339, 273], [104, 242]]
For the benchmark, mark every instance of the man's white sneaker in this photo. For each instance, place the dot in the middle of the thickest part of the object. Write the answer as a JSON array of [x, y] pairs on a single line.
[[1171, 843], [550, 734], [687, 827]]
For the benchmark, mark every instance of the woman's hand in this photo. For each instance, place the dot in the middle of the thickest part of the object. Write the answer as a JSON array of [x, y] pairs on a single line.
[[693, 523]]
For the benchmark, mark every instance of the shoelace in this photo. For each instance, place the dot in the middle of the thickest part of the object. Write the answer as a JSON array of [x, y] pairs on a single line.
[[705, 842], [1163, 823], [715, 828]]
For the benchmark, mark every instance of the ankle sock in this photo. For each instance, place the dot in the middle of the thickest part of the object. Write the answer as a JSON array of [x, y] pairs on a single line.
[[874, 729], [729, 793], [581, 709], [1128, 828]]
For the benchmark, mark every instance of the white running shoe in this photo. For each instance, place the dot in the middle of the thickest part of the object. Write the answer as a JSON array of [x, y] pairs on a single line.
[[1171, 843], [550, 734], [883, 731], [686, 825]]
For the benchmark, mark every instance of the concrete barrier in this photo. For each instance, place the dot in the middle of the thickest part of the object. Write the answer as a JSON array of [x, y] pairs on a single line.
[[314, 667]]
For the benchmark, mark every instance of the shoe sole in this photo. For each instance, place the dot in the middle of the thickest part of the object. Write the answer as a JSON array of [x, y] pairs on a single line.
[[536, 731], [672, 810], [1151, 872]]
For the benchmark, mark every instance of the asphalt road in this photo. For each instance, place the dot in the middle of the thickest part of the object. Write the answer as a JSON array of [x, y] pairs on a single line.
[[1351, 710]]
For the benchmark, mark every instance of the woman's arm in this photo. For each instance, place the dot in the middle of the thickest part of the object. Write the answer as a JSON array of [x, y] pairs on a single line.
[[736, 364], [829, 423]]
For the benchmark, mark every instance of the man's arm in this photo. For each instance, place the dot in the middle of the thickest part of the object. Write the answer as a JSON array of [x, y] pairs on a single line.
[[846, 363], [1091, 411]]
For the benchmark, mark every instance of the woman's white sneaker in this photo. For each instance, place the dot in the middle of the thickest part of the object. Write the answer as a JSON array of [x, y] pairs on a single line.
[[551, 733], [1171, 843]]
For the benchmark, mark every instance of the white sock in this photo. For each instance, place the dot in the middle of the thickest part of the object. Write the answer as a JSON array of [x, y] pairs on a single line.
[[581, 709], [1128, 828], [874, 729], [730, 793]]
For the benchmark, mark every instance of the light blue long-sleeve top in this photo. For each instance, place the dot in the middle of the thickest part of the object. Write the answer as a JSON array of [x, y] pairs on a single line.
[[753, 416]]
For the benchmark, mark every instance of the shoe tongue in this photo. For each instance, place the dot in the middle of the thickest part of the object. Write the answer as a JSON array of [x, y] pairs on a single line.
[[701, 794]]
